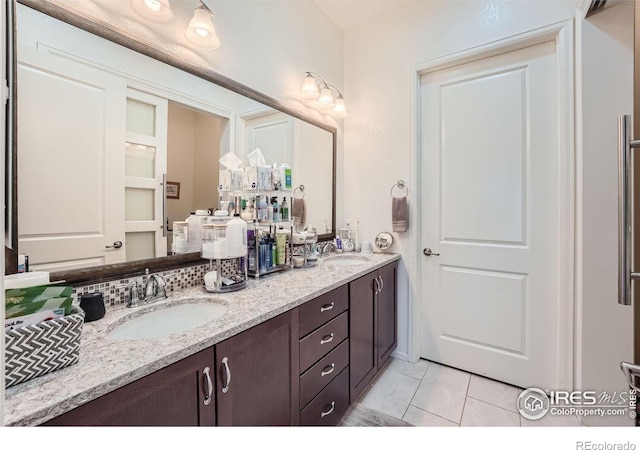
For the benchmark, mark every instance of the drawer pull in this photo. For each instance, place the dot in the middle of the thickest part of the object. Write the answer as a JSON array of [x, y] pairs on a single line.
[[225, 386], [328, 370], [207, 377], [327, 307], [324, 414], [326, 339]]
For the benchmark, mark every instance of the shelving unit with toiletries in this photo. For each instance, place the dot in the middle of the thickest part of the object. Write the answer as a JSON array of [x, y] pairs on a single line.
[[270, 227]]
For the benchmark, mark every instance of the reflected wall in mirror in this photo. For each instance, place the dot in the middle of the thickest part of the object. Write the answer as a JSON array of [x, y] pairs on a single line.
[[102, 128]]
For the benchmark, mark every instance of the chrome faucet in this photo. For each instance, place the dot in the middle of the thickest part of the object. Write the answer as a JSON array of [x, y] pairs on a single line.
[[154, 290], [327, 248]]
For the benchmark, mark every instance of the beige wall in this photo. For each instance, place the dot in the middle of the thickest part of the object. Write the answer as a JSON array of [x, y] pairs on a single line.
[[193, 151]]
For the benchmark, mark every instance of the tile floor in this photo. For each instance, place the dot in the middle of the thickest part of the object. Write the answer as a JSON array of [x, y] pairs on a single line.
[[430, 394]]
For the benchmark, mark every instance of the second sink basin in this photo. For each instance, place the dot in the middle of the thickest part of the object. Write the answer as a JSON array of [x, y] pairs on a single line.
[[163, 322]]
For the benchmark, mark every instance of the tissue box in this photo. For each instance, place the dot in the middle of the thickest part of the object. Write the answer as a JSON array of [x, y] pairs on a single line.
[[231, 180], [257, 178], [43, 347]]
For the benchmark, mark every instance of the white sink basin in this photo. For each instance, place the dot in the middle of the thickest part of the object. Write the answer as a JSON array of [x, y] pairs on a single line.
[[346, 260], [164, 322]]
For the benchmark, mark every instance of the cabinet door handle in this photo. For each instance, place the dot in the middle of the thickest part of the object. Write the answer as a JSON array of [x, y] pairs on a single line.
[[328, 370], [227, 382], [326, 339], [377, 289], [381, 283], [328, 307], [207, 376], [324, 414]]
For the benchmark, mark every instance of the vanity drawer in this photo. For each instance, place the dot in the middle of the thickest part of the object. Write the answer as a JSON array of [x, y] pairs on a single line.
[[323, 372], [322, 309], [330, 404], [323, 340]]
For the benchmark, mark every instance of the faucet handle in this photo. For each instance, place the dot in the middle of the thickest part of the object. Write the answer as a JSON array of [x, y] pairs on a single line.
[[134, 294]]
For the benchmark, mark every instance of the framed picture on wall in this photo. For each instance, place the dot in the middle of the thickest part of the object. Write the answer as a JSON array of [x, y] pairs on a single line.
[[173, 189]]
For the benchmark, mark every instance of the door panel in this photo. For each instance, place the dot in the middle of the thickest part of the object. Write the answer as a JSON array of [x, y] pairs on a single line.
[[489, 209], [58, 96]]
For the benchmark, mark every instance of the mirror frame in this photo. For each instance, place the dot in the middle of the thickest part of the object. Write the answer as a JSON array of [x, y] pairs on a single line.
[[106, 31]]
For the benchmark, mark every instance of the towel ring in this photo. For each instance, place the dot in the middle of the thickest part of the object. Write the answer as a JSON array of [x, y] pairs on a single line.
[[299, 188], [400, 185]]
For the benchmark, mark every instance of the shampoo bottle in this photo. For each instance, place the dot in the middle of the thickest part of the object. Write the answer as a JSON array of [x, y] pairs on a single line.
[[286, 176], [284, 209]]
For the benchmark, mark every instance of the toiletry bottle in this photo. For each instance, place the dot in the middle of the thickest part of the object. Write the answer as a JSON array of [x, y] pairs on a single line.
[[276, 209], [286, 176], [267, 253], [262, 255], [276, 181], [338, 244], [269, 210], [251, 244], [284, 209], [262, 210], [274, 253]]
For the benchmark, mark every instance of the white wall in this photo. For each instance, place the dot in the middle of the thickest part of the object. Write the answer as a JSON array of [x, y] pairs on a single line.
[[605, 59], [379, 58]]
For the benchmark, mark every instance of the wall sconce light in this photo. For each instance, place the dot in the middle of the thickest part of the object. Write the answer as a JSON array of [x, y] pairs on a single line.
[[315, 88], [157, 11], [201, 31]]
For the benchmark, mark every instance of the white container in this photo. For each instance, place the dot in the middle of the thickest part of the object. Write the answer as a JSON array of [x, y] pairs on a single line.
[[220, 243], [219, 216], [237, 238]]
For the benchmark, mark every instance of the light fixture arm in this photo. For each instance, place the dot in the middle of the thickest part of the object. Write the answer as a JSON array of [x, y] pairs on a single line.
[[336, 89], [318, 78], [206, 8]]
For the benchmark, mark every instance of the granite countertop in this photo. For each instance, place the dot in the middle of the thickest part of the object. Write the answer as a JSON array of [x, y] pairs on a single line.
[[105, 364]]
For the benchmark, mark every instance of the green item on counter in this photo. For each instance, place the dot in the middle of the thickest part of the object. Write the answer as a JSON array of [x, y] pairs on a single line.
[[30, 300], [281, 242]]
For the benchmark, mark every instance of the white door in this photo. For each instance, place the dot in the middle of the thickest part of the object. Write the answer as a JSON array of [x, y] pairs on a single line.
[[69, 112], [489, 150], [145, 173]]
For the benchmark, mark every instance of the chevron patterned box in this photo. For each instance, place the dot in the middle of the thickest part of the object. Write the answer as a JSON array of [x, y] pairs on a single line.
[[43, 347]]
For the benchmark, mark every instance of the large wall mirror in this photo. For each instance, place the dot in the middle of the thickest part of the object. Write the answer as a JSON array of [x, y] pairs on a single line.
[[105, 124]]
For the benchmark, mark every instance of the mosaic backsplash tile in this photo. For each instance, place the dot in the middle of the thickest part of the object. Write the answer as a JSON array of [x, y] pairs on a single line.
[[176, 279]]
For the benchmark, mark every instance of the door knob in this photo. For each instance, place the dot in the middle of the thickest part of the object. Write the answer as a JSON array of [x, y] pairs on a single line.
[[428, 252], [116, 244]]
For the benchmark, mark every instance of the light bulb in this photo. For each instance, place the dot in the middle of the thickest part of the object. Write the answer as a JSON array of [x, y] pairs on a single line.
[[157, 11], [201, 31], [153, 5], [309, 88], [326, 99], [339, 109]]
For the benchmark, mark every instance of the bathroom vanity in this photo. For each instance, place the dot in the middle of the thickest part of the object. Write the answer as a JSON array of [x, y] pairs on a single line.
[[294, 348]]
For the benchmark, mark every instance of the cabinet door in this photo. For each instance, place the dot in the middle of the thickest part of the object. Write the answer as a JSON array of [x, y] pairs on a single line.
[[258, 375], [362, 320], [173, 396], [387, 311]]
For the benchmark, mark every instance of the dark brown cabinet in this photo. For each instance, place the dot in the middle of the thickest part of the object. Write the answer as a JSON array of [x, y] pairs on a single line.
[[372, 325], [177, 395], [302, 367], [324, 358], [258, 373], [387, 314]]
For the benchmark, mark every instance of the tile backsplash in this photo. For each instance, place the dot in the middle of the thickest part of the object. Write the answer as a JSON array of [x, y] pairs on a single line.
[[177, 279]]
